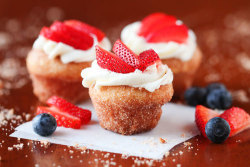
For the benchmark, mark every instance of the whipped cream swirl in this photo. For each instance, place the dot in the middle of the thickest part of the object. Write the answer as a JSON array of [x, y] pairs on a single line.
[[66, 52], [150, 79], [165, 50]]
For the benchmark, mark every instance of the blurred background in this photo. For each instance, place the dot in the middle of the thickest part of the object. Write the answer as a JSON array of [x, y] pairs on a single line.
[[222, 29]]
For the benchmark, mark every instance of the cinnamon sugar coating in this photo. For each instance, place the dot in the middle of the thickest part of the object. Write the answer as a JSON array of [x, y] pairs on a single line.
[[127, 110], [52, 77], [183, 71]]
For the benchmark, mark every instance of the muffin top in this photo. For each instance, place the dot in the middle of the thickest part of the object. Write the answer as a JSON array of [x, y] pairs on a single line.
[[169, 37], [127, 68], [71, 40]]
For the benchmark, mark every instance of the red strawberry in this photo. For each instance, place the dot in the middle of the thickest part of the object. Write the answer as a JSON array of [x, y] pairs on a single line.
[[202, 116], [59, 32], [237, 118], [176, 33], [147, 58], [121, 50], [67, 107], [62, 118], [85, 28], [155, 22], [110, 61]]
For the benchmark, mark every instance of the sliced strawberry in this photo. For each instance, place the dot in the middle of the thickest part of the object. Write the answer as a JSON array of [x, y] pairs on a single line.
[[63, 119], [202, 116], [65, 106], [59, 32], [85, 28], [147, 58], [127, 55], [176, 33], [155, 22], [237, 118], [110, 61]]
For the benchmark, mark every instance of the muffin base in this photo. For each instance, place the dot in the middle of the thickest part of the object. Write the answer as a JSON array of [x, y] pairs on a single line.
[[127, 110], [45, 87], [184, 72], [52, 77]]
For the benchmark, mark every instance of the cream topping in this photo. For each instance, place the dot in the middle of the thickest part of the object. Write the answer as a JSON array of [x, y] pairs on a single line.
[[66, 52], [165, 50], [150, 79]]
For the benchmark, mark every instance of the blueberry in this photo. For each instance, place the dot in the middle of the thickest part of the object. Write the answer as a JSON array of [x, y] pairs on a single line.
[[219, 99], [44, 124], [214, 86], [195, 95], [217, 130]]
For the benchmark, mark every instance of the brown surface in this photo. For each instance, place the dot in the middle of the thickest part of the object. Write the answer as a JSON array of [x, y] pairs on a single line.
[[127, 110], [223, 34]]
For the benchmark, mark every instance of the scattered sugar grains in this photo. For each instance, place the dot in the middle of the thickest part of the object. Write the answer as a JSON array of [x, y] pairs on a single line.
[[187, 144], [167, 154], [18, 146], [10, 148], [45, 143]]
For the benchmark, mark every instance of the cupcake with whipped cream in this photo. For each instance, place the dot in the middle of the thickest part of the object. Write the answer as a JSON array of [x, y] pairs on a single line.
[[128, 90], [58, 56], [171, 40]]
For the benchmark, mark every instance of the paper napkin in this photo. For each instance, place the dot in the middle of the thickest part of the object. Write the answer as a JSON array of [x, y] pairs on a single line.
[[175, 126]]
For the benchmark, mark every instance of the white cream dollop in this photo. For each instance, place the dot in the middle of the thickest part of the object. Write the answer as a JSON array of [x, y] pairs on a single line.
[[66, 52], [150, 79], [165, 50]]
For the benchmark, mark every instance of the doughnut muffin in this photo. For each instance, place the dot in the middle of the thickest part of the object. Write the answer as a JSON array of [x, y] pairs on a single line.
[[58, 56], [128, 90], [172, 41]]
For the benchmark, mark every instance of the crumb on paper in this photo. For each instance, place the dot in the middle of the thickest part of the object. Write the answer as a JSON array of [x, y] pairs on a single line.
[[183, 135], [162, 140]]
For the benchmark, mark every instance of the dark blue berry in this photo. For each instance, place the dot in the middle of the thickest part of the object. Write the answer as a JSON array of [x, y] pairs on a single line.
[[44, 124], [195, 96], [219, 99], [214, 86], [217, 130]]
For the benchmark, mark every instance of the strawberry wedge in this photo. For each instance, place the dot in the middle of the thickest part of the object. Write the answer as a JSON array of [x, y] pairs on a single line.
[[67, 107], [127, 55], [62, 119], [112, 62], [202, 116], [83, 27]]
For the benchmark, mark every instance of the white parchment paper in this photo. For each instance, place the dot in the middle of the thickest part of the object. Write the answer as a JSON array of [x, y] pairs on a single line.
[[176, 121]]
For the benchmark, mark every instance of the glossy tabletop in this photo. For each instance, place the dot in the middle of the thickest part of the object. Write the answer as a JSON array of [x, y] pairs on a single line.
[[223, 34]]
